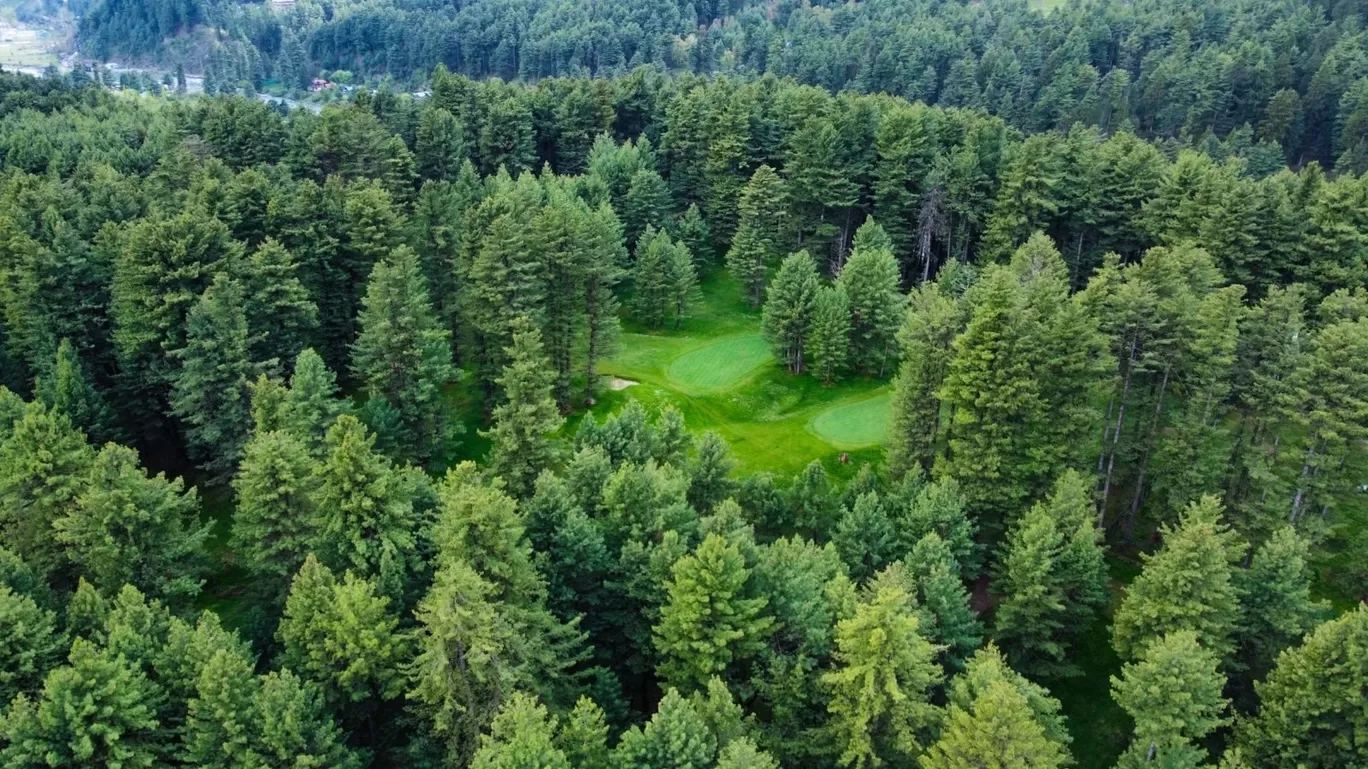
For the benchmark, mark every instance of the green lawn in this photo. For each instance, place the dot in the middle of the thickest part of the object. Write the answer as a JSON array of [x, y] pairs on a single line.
[[855, 425], [719, 372], [720, 365]]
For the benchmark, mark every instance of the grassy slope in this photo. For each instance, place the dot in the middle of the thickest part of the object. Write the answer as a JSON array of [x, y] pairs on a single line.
[[716, 370]]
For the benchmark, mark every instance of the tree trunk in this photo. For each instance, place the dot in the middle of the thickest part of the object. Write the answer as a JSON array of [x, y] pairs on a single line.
[[1134, 510], [1116, 433]]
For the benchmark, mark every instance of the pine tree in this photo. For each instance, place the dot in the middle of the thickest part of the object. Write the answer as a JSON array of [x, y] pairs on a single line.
[[1313, 699], [311, 405], [403, 354], [275, 490], [998, 729], [1278, 609], [682, 280], [44, 466], [676, 737], [163, 267], [709, 471], [522, 736], [584, 736], [943, 601], [691, 229], [281, 318], [1187, 585], [865, 536], [221, 718], [440, 147], [1030, 617], [938, 508], [131, 528], [364, 511], [881, 683], [604, 255], [1172, 693], [759, 232], [294, 728], [789, 307], [986, 668], [645, 205], [95, 711], [877, 308], [925, 339], [828, 343], [1081, 567], [342, 636], [68, 390], [31, 646], [210, 391], [652, 278], [710, 623], [524, 422]]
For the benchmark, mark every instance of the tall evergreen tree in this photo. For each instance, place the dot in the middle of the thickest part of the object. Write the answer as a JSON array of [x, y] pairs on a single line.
[[274, 514], [281, 318], [998, 729], [877, 308], [524, 422], [1173, 694], [209, 393], [403, 354], [933, 320], [828, 343], [32, 644], [711, 622], [759, 232], [521, 736], [881, 682], [789, 307], [67, 389], [1030, 617]]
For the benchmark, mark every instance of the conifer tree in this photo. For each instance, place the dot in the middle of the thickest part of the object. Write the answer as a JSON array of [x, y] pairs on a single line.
[[45, 465], [942, 599], [31, 645], [1030, 617], [68, 390], [997, 729], [281, 317], [789, 307], [925, 339], [584, 736], [521, 736], [880, 685], [274, 514], [676, 737], [645, 205], [165, 265], [97, 710], [440, 146], [311, 404], [294, 728], [1187, 585], [1278, 609], [132, 528], [709, 471], [759, 232], [209, 393], [710, 622], [524, 422], [342, 636], [604, 255], [1172, 693], [220, 717], [652, 278], [988, 667], [682, 280], [877, 308], [828, 343], [403, 354], [1313, 699], [691, 229], [364, 517], [938, 507], [865, 536]]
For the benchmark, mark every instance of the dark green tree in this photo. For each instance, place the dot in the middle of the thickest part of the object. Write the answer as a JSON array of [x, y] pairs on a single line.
[[790, 303], [524, 421]]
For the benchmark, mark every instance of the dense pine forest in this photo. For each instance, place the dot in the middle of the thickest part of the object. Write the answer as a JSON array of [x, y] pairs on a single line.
[[316, 448]]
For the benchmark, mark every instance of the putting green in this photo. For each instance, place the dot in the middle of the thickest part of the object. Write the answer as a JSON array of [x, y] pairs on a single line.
[[852, 425], [721, 364]]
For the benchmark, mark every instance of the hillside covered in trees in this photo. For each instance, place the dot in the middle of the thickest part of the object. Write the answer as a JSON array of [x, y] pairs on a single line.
[[307, 459], [1285, 74]]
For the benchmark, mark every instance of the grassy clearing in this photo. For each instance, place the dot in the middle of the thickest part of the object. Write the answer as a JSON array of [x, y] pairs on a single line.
[[25, 46], [719, 373], [720, 365], [855, 425]]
